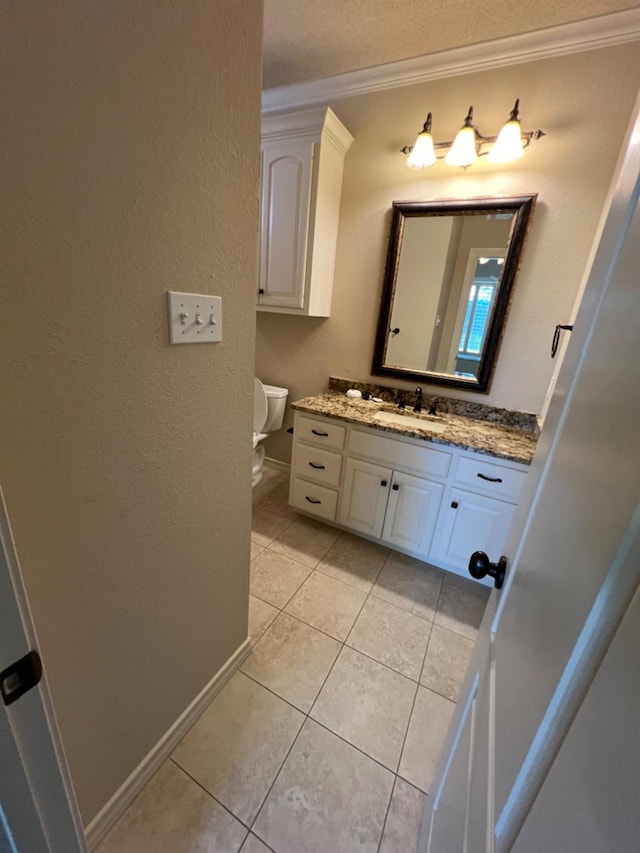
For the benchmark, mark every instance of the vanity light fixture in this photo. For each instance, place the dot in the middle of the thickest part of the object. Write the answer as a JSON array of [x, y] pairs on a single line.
[[470, 144], [423, 154]]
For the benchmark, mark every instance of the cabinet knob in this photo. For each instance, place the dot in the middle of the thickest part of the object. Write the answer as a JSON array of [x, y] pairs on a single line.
[[383, 483], [395, 487], [454, 504], [261, 291], [480, 566]]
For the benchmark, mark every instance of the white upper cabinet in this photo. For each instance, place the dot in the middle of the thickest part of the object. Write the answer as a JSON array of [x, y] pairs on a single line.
[[302, 163]]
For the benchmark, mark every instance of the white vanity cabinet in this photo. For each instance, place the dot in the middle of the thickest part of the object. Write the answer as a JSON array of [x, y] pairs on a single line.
[[437, 503], [302, 165]]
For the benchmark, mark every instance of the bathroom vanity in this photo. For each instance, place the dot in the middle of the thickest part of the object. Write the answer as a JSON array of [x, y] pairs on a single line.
[[437, 488]]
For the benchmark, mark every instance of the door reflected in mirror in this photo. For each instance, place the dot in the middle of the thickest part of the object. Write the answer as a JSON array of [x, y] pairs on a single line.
[[450, 274]]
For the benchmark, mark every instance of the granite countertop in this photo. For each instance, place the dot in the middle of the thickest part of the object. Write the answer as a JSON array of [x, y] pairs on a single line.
[[493, 439]]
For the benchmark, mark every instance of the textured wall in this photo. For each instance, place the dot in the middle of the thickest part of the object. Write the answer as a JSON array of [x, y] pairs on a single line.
[[582, 101], [132, 168]]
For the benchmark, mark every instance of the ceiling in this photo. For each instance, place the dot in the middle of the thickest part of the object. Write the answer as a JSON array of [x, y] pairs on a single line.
[[306, 40]]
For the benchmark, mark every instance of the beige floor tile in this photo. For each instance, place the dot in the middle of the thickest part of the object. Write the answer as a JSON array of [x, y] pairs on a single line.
[[327, 604], [261, 615], [367, 704], [461, 606], [238, 745], [275, 578], [427, 729], [392, 636], [266, 525], [174, 815], [254, 845], [275, 498], [410, 584], [306, 541], [446, 662], [256, 549], [293, 660], [329, 798], [354, 561], [402, 829]]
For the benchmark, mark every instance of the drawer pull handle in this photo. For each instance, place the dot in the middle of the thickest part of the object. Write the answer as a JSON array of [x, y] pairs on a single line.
[[319, 467], [489, 479], [383, 483], [395, 487], [312, 500], [321, 434]]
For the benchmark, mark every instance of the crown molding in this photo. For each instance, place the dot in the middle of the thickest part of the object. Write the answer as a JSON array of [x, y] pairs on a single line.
[[576, 37]]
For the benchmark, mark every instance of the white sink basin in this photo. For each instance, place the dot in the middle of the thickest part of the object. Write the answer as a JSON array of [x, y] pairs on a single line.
[[410, 421]]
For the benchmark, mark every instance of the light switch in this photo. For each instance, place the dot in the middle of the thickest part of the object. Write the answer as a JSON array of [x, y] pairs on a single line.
[[194, 318]]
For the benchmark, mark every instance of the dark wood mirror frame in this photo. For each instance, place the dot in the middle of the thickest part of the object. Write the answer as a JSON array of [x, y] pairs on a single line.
[[522, 208]]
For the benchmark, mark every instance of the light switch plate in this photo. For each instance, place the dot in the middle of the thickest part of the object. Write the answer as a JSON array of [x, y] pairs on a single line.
[[194, 318]]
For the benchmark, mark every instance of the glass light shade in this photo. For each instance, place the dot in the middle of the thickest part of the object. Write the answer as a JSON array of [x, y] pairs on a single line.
[[423, 153], [463, 151], [508, 145]]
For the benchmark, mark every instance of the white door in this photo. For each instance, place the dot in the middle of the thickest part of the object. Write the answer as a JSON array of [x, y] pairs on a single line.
[[38, 813], [573, 577], [412, 512], [364, 499], [471, 522], [284, 221]]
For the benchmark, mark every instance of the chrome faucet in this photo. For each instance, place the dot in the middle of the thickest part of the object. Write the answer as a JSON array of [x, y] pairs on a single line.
[[418, 404]]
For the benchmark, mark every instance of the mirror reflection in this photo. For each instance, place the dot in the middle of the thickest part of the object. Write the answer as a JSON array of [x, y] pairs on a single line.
[[450, 271]]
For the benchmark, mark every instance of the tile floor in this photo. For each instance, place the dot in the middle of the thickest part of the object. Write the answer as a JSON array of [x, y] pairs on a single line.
[[326, 740]]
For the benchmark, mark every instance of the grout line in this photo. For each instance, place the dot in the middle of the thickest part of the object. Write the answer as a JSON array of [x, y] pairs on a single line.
[[386, 814], [273, 693], [413, 705], [259, 839], [353, 746], [208, 793], [277, 776], [309, 625], [318, 568], [382, 663]]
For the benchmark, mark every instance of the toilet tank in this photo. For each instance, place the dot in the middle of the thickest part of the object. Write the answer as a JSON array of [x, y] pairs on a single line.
[[276, 403]]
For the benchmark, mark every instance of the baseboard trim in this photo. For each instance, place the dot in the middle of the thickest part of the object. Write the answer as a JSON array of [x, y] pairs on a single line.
[[285, 467], [108, 815]]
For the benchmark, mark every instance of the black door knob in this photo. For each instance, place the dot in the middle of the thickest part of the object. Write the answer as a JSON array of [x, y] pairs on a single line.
[[480, 566]]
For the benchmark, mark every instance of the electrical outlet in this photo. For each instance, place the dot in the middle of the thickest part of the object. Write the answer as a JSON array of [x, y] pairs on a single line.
[[194, 318]]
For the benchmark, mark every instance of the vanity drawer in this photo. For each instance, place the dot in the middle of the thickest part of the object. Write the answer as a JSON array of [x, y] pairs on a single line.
[[321, 433], [400, 454], [314, 463], [314, 499], [490, 477]]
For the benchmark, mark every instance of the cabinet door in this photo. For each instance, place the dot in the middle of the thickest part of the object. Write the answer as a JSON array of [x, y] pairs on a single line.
[[412, 511], [364, 498], [471, 522], [284, 221]]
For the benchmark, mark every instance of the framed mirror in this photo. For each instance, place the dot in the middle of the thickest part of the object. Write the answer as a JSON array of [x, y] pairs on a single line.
[[450, 274]]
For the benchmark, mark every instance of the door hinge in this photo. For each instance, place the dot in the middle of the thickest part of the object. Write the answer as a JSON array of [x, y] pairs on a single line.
[[20, 677]]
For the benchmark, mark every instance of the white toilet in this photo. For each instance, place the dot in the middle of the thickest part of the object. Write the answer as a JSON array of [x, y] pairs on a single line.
[[269, 403]]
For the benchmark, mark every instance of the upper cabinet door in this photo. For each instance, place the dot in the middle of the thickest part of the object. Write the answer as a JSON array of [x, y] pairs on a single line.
[[286, 186], [302, 165]]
